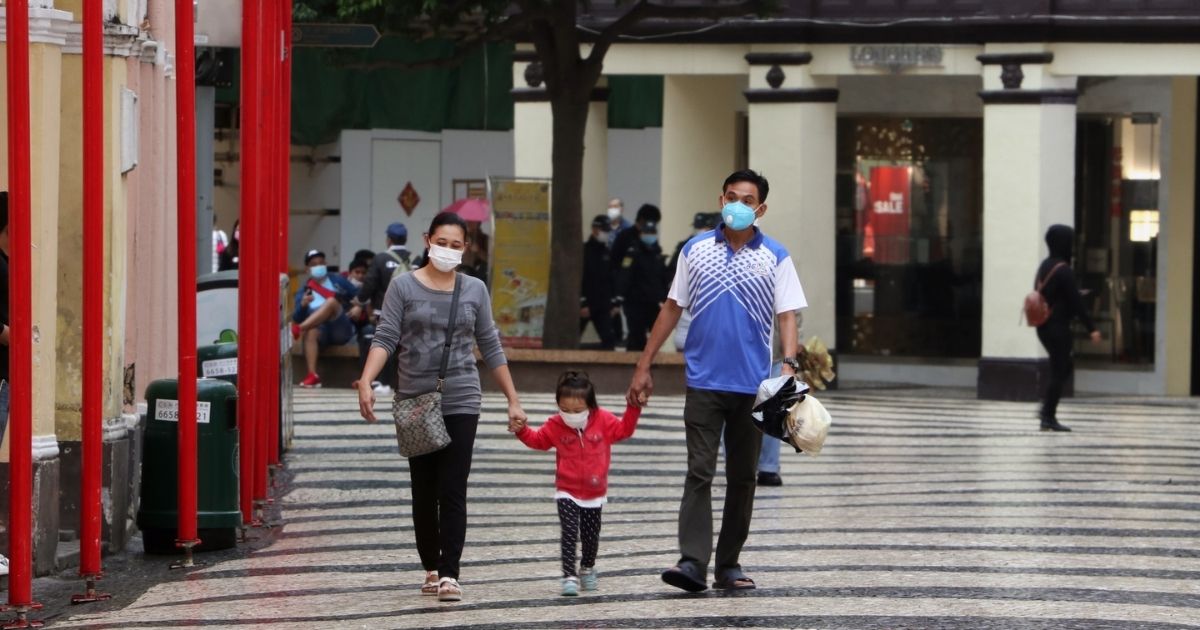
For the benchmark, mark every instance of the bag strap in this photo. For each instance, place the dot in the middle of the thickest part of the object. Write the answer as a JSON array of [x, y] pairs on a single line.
[[449, 331], [325, 293], [402, 266], [1042, 284]]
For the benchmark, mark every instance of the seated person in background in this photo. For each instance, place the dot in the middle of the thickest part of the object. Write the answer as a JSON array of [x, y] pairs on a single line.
[[320, 315]]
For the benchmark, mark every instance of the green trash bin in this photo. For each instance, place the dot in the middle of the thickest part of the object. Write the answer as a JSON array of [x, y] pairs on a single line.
[[217, 499], [218, 361]]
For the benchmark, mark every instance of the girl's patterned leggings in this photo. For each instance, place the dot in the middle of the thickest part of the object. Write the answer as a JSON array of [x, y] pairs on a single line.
[[578, 523]]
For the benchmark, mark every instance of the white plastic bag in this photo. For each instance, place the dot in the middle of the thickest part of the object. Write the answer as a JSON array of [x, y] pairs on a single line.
[[808, 425]]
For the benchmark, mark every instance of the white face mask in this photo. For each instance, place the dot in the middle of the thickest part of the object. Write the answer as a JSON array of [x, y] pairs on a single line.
[[444, 258], [614, 213], [575, 420]]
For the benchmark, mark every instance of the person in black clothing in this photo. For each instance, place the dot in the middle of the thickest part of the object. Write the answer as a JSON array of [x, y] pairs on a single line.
[[642, 282], [597, 290], [701, 223], [1066, 303], [228, 258], [388, 264]]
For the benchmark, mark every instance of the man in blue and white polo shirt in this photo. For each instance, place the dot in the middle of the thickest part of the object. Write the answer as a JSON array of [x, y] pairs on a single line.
[[737, 284]]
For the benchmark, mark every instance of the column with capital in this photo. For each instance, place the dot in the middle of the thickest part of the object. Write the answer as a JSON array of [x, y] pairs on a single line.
[[793, 143], [1029, 185]]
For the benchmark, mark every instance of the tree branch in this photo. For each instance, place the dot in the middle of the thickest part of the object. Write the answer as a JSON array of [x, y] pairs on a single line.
[[646, 10]]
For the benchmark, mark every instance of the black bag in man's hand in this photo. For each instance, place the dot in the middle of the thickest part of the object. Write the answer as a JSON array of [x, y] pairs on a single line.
[[775, 397]]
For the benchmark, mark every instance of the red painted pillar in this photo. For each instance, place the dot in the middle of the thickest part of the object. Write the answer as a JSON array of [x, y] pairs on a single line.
[[20, 521], [272, 342], [263, 262], [250, 254], [185, 112], [93, 295], [285, 111]]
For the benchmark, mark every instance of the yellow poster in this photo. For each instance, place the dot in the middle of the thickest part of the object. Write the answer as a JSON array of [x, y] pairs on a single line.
[[520, 259]]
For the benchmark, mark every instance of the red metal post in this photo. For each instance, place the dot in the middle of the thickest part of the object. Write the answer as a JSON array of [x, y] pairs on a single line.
[[285, 110], [266, 266], [93, 299], [20, 521], [185, 112], [249, 293], [273, 345]]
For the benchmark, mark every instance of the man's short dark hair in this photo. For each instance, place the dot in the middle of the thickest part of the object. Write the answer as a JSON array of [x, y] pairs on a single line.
[[648, 212], [3, 210], [749, 176]]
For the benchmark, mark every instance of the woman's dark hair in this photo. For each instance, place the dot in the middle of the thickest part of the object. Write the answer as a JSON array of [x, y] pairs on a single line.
[[447, 218], [572, 384]]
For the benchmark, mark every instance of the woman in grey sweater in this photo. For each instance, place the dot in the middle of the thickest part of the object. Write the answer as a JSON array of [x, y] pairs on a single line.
[[413, 322]]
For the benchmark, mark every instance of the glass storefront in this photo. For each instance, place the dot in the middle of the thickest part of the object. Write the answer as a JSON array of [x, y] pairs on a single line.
[[1116, 217], [910, 236]]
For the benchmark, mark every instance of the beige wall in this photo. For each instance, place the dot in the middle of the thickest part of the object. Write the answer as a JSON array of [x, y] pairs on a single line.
[[69, 386], [1029, 167], [791, 144], [1174, 342], [70, 237], [595, 192], [44, 61], [151, 345], [699, 142]]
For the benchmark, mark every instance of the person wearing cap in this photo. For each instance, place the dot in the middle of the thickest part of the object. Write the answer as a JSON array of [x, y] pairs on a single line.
[[319, 318], [388, 264], [641, 275], [597, 290], [739, 286]]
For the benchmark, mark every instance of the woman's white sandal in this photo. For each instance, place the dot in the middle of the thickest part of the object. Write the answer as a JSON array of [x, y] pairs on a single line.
[[430, 587], [449, 590]]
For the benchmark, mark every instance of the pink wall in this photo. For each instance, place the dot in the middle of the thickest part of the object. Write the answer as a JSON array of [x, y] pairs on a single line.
[[150, 340]]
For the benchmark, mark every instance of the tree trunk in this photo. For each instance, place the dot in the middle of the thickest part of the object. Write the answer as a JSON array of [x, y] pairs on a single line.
[[570, 110]]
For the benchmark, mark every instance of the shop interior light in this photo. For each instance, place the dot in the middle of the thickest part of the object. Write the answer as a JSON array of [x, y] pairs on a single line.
[[1140, 146], [1143, 225]]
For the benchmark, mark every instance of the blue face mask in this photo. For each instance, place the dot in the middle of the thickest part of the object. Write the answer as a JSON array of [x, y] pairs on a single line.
[[737, 215], [649, 239], [318, 271]]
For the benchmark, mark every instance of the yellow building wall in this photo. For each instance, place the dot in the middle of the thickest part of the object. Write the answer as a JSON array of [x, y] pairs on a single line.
[[68, 387], [44, 61]]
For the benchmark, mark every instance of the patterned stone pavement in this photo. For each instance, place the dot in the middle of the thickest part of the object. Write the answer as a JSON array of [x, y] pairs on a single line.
[[923, 512]]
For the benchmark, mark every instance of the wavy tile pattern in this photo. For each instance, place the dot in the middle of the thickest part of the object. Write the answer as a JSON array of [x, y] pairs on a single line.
[[924, 511]]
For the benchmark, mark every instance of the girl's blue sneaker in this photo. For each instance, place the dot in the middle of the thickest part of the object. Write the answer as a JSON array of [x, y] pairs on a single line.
[[570, 587], [588, 577]]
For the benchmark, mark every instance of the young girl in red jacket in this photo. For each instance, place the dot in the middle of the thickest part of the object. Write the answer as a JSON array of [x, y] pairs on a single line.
[[584, 434]]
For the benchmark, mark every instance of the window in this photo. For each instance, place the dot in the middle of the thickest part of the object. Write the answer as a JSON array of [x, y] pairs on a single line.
[[909, 223]]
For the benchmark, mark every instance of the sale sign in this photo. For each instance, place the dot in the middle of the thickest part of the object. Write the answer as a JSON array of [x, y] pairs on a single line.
[[888, 214]]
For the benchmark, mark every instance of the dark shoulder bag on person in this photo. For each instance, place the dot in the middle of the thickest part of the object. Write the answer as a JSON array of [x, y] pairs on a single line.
[[420, 428]]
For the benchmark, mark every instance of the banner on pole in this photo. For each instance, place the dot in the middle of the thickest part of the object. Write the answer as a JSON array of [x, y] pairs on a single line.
[[520, 259]]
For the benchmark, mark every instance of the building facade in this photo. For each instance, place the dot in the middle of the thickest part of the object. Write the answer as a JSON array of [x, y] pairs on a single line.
[[918, 152], [139, 269]]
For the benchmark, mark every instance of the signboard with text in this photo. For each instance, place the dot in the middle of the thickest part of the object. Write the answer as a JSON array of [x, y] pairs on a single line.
[[888, 213]]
